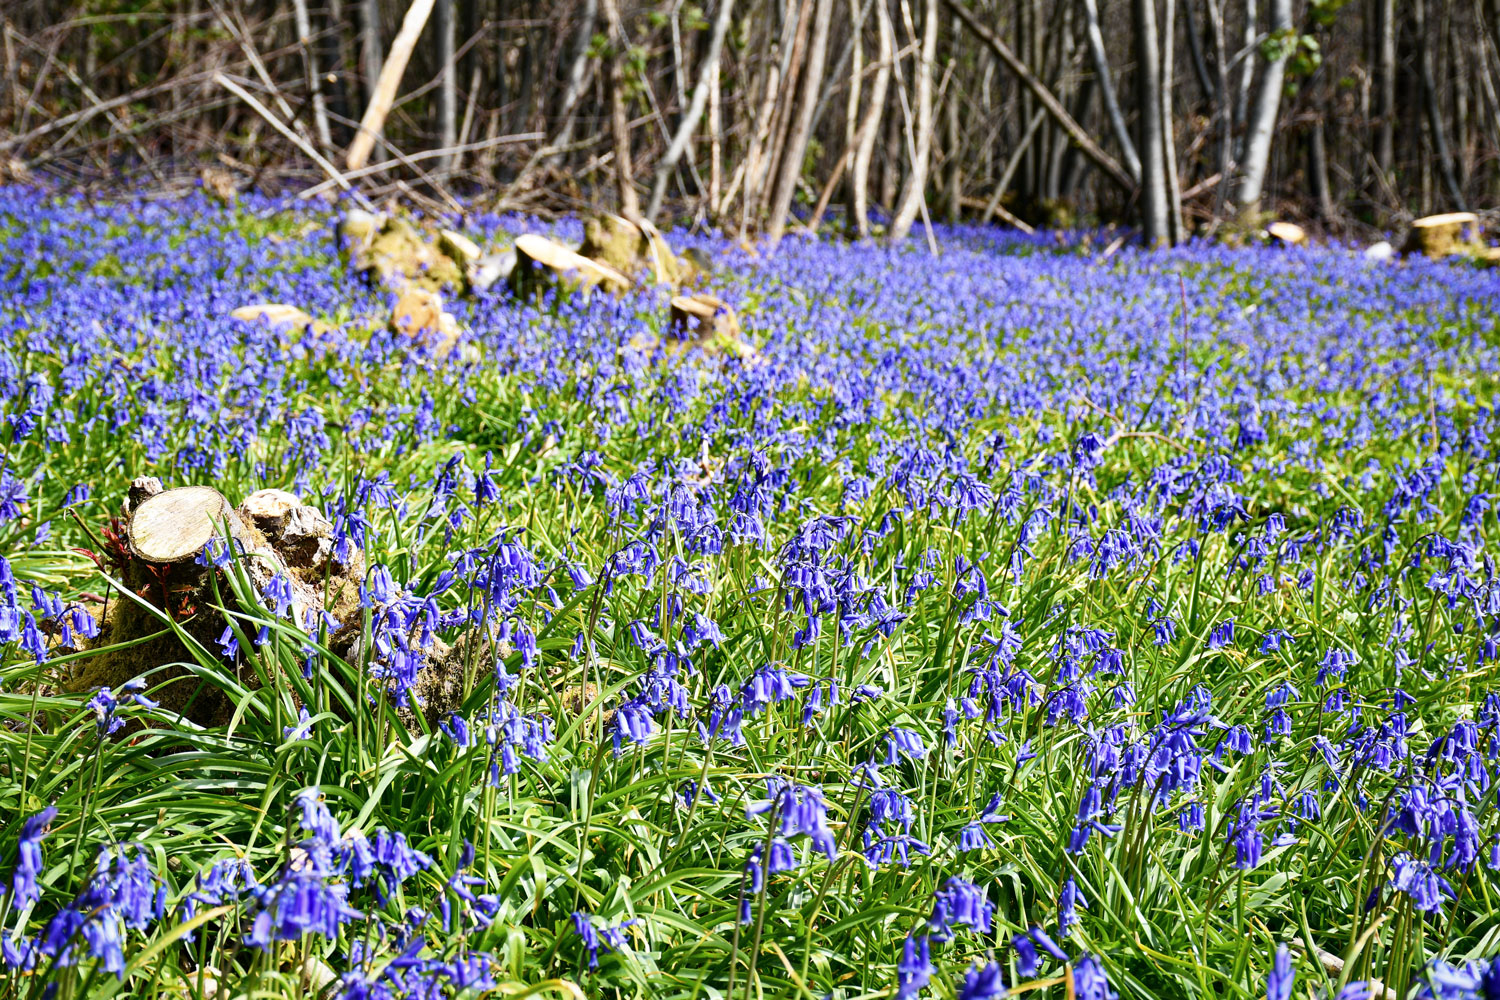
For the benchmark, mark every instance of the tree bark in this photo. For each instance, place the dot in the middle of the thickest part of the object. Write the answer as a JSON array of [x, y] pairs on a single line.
[[1195, 49], [707, 77], [1435, 125], [619, 115], [447, 102], [801, 126], [1107, 90], [370, 52], [1168, 122], [314, 80], [1385, 85], [1247, 76], [869, 126], [1154, 203], [390, 79], [1317, 169], [1261, 124], [909, 204]]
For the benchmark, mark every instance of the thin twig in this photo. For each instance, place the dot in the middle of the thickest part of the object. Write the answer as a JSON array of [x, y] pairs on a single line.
[[292, 137]]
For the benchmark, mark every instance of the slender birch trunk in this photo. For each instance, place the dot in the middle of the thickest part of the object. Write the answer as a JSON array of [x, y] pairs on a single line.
[[1261, 126], [869, 126], [909, 204], [800, 126], [1116, 116], [314, 79], [1154, 203], [447, 102], [707, 78]]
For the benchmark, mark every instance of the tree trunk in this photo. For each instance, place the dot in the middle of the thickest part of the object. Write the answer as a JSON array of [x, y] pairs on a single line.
[[1195, 49], [314, 80], [1154, 202], [619, 114], [1247, 78], [914, 191], [1317, 171], [370, 52], [1435, 125], [1168, 122], [1262, 121], [1107, 90], [753, 165], [708, 74], [954, 185], [447, 102], [801, 125], [1223, 110], [1385, 85], [715, 143], [869, 126], [385, 87]]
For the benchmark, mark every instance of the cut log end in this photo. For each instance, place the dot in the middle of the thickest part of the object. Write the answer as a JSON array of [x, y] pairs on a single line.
[[270, 510], [1443, 235], [174, 526], [701, 315], [1287, 234], [537, 256], [142, 488]]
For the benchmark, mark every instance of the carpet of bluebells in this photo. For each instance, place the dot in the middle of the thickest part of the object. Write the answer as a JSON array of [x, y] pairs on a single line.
[[1013, 620]]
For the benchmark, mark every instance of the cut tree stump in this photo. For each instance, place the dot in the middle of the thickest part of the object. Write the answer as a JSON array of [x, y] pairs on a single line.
[[175, 525], [542, 264], [419, 315], [1287, 234], [635, 250], [158, 561], [219, 184], [278, 314], [458, 247], [491, 269], [1444, 235], [708, 323], [357, 229], [398, 257]]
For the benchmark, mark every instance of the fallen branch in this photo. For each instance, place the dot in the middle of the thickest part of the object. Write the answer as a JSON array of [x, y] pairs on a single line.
[[426, 154], [293, 138], [992, 206], [385, 88]]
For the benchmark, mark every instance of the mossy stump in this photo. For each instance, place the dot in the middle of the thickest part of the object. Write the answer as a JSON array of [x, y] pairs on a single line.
[[543, 265], [398, 257], [1438, 236], [159, 558], [637, 250]]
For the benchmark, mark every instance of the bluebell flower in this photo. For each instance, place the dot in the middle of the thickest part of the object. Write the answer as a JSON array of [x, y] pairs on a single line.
[[982, 982], [1068, 902], [959, 903], [1281, 977], [1048, 945], [278, 593], [29, 863], [915, 969], [596, 938], [1026, 957], [907, 742], [1090, 982], [1222, 635], [316, 819]]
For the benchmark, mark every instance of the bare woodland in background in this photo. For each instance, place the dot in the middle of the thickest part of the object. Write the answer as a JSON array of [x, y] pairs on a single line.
[[1170, 116]]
